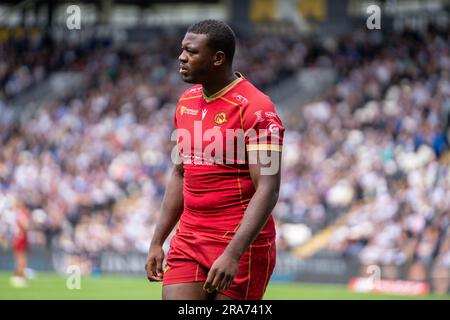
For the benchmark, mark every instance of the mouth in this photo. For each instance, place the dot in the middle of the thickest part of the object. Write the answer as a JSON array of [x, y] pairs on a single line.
[[183, 69]]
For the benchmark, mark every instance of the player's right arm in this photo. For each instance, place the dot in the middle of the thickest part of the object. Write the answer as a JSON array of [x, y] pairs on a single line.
[[171, 210]]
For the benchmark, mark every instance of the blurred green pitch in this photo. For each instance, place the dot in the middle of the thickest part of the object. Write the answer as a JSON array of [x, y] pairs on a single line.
[[53, 286]]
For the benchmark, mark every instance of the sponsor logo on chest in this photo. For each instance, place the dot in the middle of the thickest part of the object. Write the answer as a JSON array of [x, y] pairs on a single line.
[[189, 111]]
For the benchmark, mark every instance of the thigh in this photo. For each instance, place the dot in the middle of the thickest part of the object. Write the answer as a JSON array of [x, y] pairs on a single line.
[[183, 275], [221, 296], [182, 265], [186, 291]]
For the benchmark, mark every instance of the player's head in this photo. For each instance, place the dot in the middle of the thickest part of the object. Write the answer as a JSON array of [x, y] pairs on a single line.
[[207, 48]]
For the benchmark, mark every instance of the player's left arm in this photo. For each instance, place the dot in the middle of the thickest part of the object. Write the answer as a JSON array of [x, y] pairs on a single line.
[[266, 179]]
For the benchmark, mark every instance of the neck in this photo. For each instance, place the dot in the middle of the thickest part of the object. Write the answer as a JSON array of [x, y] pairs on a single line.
[[219, 81]]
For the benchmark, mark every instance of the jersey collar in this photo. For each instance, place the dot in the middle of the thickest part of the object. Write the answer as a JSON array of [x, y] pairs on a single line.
[[224, 90]]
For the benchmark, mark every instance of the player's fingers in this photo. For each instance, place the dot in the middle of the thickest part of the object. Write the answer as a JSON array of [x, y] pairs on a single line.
[[151, 275], [151, 268], [208, 283], [224, 282], [217, 280], [159, 269], [154, 279], [229, 283]]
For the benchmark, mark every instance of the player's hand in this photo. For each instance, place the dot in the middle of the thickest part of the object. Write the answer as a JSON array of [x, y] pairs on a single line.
[[222, 272], [153, 267]]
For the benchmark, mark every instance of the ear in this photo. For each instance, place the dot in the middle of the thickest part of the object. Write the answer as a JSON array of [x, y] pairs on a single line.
[[219, 58]]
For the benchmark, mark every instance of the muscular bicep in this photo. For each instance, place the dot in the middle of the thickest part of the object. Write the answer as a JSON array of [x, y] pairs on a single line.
[[265, 169]]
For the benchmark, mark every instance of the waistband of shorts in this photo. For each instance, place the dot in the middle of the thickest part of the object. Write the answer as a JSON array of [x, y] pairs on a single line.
[[183, 227]]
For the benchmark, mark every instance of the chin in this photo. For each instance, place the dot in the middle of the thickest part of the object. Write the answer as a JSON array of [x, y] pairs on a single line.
[[189, 80]]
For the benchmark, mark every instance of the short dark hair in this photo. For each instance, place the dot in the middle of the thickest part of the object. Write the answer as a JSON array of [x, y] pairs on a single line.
[[220, 36]]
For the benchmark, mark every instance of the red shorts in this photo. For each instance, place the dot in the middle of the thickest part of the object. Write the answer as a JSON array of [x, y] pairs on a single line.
[[20, 244], [191, 256]]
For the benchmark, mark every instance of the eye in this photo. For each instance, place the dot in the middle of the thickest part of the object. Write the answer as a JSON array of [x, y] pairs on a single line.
[[189, 50]]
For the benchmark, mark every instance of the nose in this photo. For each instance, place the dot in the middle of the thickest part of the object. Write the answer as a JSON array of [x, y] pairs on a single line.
[[182, 57]]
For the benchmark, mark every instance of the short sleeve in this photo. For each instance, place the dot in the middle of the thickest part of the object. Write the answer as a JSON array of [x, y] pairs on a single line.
[[263, 128]]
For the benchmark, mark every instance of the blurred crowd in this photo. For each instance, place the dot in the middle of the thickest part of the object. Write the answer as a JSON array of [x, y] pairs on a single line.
[[376, 148], [92, 169], [28, 56]]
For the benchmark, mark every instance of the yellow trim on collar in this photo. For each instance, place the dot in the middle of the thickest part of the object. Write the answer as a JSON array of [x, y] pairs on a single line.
[[224, 90]]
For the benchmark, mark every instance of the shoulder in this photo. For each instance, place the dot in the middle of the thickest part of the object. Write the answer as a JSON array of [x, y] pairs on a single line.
[[250, 97], [192, 92], [258, 110]]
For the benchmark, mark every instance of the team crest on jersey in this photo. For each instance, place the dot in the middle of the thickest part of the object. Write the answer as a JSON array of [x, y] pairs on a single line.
[[220, 118]]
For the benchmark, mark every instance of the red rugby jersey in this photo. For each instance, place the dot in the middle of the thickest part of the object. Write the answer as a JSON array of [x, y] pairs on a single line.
[[213, 134]]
